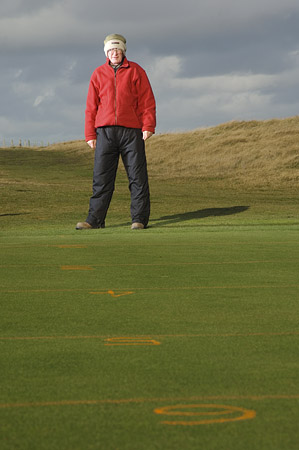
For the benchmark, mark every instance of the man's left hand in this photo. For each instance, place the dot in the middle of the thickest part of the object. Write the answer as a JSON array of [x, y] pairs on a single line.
[[147, 135]]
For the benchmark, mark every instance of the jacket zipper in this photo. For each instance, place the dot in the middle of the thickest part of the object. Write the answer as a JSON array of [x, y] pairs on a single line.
[[115, 90], [115, 96]]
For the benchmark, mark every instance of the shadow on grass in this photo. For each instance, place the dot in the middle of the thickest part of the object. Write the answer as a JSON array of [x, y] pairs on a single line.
[[13, 214], [199, 214]]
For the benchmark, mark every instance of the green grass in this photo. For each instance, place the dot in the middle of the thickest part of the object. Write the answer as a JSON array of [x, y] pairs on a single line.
[[210, 289]]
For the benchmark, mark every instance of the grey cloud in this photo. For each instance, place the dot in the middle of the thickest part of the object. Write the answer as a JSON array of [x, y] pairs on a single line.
[[73, 22], [50, 48], [19, 8]]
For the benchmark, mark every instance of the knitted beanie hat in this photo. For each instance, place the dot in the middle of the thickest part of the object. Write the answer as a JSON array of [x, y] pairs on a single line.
[[115, 41]]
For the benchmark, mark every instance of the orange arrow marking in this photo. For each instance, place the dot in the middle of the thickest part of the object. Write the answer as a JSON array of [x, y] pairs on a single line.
[[113, 293], [131, 341]]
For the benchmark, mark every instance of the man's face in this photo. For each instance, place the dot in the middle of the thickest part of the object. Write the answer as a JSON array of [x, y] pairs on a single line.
[[115, 56]]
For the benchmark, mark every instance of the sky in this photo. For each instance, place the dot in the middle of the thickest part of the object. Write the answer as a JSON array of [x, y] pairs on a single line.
[[208, 61]]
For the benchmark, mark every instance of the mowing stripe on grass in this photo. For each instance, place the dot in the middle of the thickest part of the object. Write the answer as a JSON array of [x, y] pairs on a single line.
[[178, 288], [71, 246], [131, 341], [152, 244], [197, 263]]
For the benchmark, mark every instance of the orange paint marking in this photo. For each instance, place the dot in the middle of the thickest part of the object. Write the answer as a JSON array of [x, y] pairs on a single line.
[[70, 246], [213, 410], [150, 400], [113, 293], [158, 336], [131, 341], [76, 268]]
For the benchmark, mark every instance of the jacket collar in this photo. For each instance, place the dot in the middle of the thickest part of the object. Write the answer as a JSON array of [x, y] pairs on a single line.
[[125, 62]]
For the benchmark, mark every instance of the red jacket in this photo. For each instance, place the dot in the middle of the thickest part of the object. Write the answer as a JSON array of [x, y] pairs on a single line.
[[125, 99]]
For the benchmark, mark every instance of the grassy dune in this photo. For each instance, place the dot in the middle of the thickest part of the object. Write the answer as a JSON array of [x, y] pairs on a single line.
[[254, 153]]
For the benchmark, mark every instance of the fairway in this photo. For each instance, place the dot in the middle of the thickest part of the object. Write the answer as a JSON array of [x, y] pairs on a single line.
[[181, 336]]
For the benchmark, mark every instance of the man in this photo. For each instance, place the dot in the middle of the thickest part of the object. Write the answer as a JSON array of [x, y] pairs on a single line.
[[120, 116]]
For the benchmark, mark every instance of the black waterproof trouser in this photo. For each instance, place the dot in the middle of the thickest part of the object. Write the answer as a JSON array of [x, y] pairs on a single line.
[[112, 142]]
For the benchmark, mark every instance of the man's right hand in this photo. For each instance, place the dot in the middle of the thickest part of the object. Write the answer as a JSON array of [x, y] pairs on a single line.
[[92, 143]]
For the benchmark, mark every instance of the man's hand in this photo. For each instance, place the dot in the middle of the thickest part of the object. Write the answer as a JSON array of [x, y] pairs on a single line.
[[147, 135], [92, 143]]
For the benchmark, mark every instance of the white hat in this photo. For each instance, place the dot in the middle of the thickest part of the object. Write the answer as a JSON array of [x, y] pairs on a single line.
[[115, 41]]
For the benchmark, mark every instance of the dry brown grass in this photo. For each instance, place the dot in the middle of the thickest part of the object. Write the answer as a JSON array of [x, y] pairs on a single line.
[[254, 153]]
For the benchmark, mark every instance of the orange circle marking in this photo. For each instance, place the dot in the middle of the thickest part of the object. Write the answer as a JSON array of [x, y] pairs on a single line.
[[235, 413]]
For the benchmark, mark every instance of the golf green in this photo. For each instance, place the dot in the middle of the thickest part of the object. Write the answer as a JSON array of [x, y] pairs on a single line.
[[167, 338]]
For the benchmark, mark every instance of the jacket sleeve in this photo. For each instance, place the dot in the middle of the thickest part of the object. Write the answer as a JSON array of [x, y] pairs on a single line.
[[92, 104], [146, 103]]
